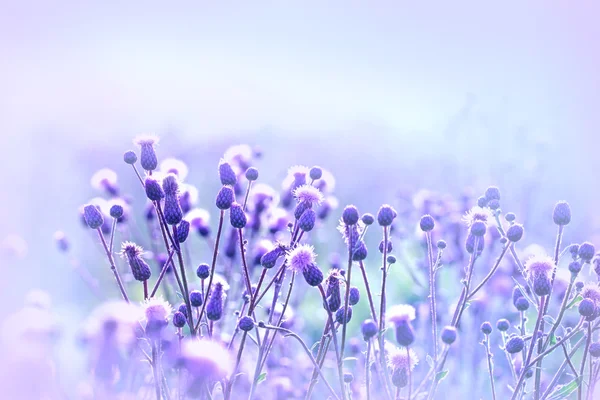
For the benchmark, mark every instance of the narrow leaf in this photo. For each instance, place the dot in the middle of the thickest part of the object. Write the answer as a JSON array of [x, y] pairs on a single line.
[[261, 377], [564, 391], [440, 375]]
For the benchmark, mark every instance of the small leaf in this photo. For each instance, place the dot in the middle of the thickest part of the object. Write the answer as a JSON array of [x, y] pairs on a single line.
[[440, 375], [261, 377], [549, 319], [564, 391], [553, 340], [575, 301], [314, 346], [429, 360], [179, 295]]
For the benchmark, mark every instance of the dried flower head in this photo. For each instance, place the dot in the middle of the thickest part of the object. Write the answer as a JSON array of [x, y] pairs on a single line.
[[477, 214], [205, 359], [301, 257], [157, 309], [400, 358], [400, 313], [539, 265], [309, 194], [174, 166]]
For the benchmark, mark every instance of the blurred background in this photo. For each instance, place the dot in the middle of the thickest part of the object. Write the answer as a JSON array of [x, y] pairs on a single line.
[[390, 97]]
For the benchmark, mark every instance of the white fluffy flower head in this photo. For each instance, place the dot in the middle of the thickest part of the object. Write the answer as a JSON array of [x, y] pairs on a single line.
[[400, 313], [301, 257]]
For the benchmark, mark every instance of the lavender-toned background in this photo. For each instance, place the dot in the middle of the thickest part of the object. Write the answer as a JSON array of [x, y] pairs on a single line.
[[390, 97]]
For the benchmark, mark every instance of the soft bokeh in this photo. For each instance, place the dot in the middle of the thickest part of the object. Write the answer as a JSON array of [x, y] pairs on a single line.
[[391, 97]]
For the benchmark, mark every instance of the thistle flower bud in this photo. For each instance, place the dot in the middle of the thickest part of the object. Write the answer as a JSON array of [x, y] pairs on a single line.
[[368, 329], [307, 220], [313, 275], [368, 219], [226, 173], [339, 315], [470, 244], [595, 349], [354, 296], [574, 267], [516, 294], [179, 319], [252, 174], [315, 173], [214, 307], [334, 298], [116, 211], [183, 230], [510, 217], [562, 213], [486, 328], [522, 304], [386, 215], [528, 373], [154, 191], [360, 251], [269, 259], [61, 241], [237, 216], [441, 244], [405, 335], [196, 298], [538, 269], [390, 247], [492, 193], [246, 323], [427, 223], [148, 158], [482, 202], [93, 216], [139, 268], [400, 377], [586, 251], [129, 157], [494, 204], [478, 229], [391, 259], [448, 335], [515, 232], [172, 210], [203, 271], [348, 377], [503, 325], [586, 308], [515, 344], [579, 285], [350, 215], [225, 198]]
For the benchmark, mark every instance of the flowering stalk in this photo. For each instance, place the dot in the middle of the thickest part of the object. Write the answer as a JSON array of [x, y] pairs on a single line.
[[382, 309], [111, 260], [588, 341], [368, 290], [432, 305], [214, 262], [486, 343], [347, 296]]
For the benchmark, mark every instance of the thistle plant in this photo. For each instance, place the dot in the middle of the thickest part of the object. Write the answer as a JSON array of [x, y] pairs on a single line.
[[265, 301]]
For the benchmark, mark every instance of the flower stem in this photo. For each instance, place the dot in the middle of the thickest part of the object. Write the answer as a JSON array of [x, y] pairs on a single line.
[[111, 260], [432, 305]]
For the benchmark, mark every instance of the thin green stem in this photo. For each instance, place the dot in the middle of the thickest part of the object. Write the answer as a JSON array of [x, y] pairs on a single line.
[[111, 260]]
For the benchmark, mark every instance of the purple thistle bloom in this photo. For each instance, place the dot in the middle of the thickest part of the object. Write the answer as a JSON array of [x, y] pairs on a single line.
[[586, 308], [252, 174], [226, 173], [148, 158], [313, 275], [538, 269], [225, 198], [129, 157], [562, 213], [339, 315], [354, 296], [172, 210], [196, 298], [386, 215], [116, 211], [214, 307], [179, 319], [486, 328], [246, 323], [269, 259], [306, 222], [237, 216], [139, 268], [389, 246], [170, 185], [183, 230], [586, 251], [203, 271], [515, 232], [93, 216], [350, 215], [478, 229], [492, 193], [515, 344], [368, 219], [360, 251], [334, 298], [427, 223], [183, 309], [300, 208], [369, 329], [154, 191], [448, 334], [470, 244], [595, 349]]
